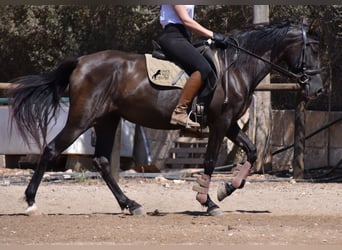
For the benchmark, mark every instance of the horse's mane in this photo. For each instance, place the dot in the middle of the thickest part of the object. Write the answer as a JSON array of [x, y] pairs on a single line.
[[259, 38]]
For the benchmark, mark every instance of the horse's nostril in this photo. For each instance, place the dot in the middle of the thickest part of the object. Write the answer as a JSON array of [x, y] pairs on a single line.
[[319, 92]]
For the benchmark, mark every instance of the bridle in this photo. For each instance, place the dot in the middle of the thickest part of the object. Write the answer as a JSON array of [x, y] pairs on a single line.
[[301, 73]]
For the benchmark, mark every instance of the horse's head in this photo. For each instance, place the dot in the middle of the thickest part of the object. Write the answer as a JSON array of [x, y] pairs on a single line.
[[302, 56]]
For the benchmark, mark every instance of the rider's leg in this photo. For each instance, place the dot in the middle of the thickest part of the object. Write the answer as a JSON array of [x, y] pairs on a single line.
[[190, 90]]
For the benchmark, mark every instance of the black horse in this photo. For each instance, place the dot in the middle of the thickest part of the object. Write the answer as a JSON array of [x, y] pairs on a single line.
[[106, 86]]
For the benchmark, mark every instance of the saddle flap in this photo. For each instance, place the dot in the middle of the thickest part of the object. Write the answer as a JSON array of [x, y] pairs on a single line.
[[165, 73]]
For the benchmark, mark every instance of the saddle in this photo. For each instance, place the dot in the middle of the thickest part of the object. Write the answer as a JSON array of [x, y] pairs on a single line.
[[163, 72]]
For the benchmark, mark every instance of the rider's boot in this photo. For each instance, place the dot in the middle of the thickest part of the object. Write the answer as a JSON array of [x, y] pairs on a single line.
[[190, 90]]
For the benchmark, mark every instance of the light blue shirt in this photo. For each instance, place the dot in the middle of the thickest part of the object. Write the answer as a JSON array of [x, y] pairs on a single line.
[[168, 14]]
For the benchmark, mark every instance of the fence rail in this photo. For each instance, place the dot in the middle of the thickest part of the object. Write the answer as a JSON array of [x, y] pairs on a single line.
[[6, 85], [260, 87], [278, 86]]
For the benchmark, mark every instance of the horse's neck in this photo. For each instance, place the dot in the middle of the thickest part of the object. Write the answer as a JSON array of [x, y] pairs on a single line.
[[255, 71], [271, 51], [261, 74]]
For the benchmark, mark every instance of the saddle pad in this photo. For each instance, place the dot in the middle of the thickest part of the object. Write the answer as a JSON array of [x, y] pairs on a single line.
[[165, 73]]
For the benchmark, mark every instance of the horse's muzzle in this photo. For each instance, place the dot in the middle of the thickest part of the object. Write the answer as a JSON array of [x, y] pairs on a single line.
[[311, 93]]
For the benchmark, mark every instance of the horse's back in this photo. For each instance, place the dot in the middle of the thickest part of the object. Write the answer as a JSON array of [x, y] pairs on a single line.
[[109, 56], [103, 65]]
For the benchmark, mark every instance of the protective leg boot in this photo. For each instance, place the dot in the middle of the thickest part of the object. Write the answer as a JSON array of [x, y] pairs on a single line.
[[190, 90]]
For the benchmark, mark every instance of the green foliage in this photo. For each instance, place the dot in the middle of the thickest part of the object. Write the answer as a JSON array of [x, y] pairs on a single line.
[[36, 38]]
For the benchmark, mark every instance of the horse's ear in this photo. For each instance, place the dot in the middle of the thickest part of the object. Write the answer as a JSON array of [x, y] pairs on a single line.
[[314, 26]]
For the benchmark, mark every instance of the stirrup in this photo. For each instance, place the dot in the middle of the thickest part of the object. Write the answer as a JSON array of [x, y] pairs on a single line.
[[188, 118]]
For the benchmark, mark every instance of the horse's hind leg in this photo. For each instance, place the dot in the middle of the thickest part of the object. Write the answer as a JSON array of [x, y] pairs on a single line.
[[236, 135], [105, 135], [63, 140]]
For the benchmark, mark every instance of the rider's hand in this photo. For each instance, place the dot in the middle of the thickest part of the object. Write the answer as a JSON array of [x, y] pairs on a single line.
[[220, 40]]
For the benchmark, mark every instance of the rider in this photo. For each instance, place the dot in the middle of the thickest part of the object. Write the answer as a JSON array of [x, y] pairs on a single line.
[[178, 23]]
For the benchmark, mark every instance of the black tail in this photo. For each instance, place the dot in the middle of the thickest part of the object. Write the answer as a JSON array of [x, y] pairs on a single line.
[[36, 100]]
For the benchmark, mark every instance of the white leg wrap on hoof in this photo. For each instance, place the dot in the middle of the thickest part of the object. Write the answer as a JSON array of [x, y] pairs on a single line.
[[32, 210], [201, 198], [202, 188], [241, 174], [203, 180]]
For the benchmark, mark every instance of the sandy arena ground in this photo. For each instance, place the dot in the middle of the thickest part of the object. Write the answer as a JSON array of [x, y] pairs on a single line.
[[85, 213]]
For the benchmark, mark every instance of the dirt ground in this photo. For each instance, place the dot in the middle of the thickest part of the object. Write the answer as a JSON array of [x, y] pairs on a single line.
[[264, 213]]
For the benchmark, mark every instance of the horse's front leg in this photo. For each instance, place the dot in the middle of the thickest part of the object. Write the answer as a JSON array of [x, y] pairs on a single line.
[[216, 136], [236, 135]]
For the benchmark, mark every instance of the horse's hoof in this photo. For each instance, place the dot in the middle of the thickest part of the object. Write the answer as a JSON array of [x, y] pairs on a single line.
[[215, 212], [138, 211], [32, 210]]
